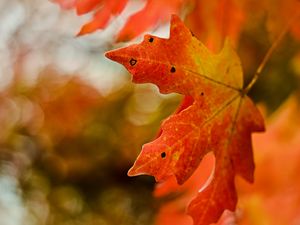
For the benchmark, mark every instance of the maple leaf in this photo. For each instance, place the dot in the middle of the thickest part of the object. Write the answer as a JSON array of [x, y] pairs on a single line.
[[173, 212], [216, 116], [102, 15], [275, 198], [153, 12], [214, 21]]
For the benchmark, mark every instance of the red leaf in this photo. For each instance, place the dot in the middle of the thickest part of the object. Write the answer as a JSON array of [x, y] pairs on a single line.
[[220, 119], [280, 15], [102, 15], [155, 11], [217, 20], [275, 196], [173, 212], [85, 6]]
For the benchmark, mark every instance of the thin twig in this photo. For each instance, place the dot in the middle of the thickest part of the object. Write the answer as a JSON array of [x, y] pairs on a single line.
[[270, 52]]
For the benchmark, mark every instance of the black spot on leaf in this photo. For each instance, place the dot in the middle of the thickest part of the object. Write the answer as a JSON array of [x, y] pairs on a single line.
[[132, 61], [163, 154]]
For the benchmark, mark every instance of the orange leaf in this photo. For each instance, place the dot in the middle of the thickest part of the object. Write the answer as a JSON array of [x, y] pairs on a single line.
[[155, 11], [220, 119], [280, 14], [275, 197], [85, 6], [103, 15], [215, 21], [173, 212]]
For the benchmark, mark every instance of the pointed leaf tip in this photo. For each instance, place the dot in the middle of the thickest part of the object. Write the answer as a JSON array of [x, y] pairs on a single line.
[[131, 172], [109, 55], [134, 171], [116, 55]]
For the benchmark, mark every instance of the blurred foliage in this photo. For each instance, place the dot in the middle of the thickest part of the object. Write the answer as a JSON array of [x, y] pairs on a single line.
[[70, 148], [67, 141]]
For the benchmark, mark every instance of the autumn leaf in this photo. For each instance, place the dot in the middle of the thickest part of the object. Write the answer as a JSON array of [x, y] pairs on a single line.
[[173, 210], [217, 20], [151, 14], [219, 119], [175, 197], [275, 198], [281, 14], [102, 15]]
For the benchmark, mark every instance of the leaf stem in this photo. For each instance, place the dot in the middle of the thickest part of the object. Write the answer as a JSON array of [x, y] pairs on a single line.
[[270, 52]]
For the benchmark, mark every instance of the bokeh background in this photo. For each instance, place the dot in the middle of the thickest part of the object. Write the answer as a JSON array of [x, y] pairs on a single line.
[[72, 123]]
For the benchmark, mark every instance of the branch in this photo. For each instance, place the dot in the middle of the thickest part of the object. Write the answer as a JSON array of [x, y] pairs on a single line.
[[270, 52]]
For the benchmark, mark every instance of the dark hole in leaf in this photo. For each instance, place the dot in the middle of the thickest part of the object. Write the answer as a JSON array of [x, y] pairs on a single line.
[[151, 39], [132, 62], [173, 70], [202, 93], [163, 154]]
